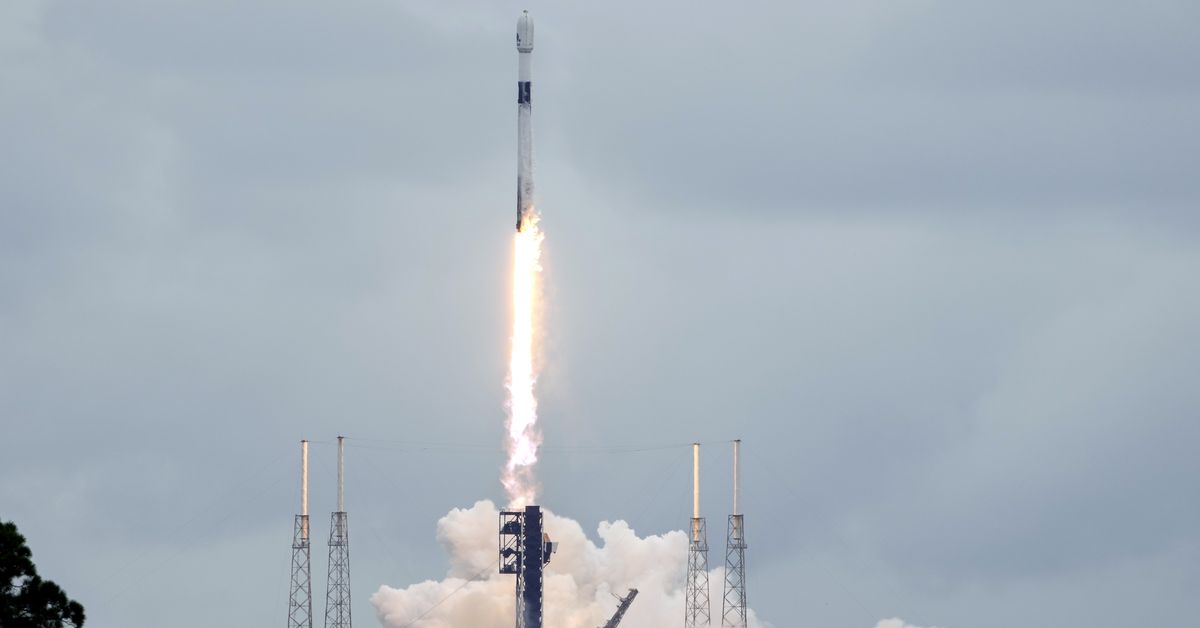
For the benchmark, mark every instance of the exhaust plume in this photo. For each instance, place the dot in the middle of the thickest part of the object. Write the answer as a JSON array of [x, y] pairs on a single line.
[[523, 436]]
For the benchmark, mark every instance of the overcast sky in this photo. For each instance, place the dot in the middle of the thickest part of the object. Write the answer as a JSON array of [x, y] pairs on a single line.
[[935, 262]]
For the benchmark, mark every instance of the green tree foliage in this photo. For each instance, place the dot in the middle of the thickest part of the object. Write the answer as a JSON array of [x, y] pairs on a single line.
[[27, 601]]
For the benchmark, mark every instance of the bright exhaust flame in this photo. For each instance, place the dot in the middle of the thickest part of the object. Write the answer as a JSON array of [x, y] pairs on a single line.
[[523, 436]]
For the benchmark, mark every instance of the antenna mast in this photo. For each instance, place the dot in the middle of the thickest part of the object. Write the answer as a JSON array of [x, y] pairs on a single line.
[[300, 597], [697, 612], [337, 591], [733, 609]]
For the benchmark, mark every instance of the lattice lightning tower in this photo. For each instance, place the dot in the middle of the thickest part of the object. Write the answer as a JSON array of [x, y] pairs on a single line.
[[733, 609], [697, 612], [337, 593], [300, 597]]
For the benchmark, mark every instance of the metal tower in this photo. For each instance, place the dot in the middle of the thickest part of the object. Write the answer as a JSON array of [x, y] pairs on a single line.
[[510, 552], [626, 601], [524, 551], [337, 593], [733, 610], [696, 612], [300, 598]]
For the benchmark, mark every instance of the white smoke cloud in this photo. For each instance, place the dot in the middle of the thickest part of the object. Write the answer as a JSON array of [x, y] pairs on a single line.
[[581, 579], [896, 622]]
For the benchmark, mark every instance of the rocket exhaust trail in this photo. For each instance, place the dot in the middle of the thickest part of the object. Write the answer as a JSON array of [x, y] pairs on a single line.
[[523, 437]]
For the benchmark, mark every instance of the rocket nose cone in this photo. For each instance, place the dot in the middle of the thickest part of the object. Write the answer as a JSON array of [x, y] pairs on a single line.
[[525, 32]]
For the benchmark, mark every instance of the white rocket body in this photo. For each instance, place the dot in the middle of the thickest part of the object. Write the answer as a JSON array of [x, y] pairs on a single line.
[[524, 111]]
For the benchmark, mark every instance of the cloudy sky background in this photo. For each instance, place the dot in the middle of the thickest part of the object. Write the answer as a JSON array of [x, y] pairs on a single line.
[[935, 262]]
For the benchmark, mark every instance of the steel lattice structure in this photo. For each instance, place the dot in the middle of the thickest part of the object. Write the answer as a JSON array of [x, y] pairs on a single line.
[[626, 602], [697, 611], [524, 552], [337, 593], [510, 555], [300, 600], [337, 590], [733, 609]]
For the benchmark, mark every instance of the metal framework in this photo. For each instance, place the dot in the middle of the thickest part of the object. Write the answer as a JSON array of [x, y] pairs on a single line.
[[337, 591], [300, 600], [510, 556], [524, 551], [733, 610], [626, 601], [697, 608], [697, 612], [733, 604], [300, 592]]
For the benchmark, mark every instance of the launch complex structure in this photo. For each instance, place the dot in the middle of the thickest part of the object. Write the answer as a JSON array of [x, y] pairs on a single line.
[[698, 607], [524, 551], [337, 592], [300, 596], [524, 546], [733, 603]]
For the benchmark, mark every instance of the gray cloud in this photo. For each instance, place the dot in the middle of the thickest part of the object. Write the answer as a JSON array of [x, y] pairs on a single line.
[[932, 261], [888, 105]]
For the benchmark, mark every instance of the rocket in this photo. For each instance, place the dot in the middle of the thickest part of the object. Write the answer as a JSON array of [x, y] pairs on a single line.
[[524, 110]]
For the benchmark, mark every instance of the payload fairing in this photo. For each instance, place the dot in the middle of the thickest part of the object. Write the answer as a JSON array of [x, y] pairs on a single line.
[[524, 111]]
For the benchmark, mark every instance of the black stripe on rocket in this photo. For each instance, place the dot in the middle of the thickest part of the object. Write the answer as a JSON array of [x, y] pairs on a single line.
[[523, 93]]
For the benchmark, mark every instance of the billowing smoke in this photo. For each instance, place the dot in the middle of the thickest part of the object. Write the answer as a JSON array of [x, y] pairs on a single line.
[[580, 585]]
